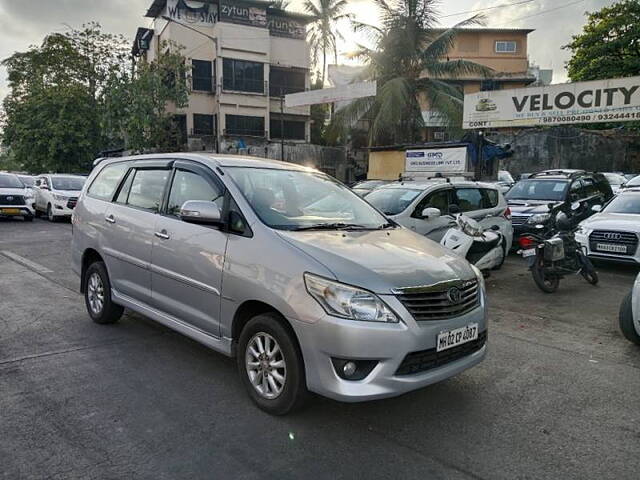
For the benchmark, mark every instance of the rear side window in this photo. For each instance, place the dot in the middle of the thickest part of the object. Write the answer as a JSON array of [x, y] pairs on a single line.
[[469, 199], [144, 189], [105, 184]]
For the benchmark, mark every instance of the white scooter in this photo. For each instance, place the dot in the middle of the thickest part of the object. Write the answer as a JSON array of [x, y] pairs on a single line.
[[483, 248]]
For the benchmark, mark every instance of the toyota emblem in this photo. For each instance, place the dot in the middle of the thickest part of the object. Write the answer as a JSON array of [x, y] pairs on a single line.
[[454, 295], [9, 199], [613, 236]]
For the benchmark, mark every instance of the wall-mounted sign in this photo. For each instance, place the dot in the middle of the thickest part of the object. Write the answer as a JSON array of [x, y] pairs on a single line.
[[616, 100], [444, 160], [193, 13], [286, 27], [242, 14]]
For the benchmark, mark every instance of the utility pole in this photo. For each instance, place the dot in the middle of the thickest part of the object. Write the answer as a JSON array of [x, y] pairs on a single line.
[[282, 123], [215, 83]]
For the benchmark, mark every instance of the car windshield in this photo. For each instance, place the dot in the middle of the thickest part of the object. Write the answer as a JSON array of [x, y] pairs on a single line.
[[68, 183], [634, 182], [615, 179], [538, 190], [392, 201], [304, 200], [28, 181], [504, 176], [624, 204], [10, 181]]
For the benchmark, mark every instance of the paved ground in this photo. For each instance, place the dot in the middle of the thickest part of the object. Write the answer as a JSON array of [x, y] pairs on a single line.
[[557, 397]]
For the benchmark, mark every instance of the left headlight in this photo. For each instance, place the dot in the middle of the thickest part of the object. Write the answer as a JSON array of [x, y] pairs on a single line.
[[60, 198], [538, 218], [345, 301]]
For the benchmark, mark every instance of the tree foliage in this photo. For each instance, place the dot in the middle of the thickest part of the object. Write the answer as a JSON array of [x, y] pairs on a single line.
[[408, 59], [609, 45]]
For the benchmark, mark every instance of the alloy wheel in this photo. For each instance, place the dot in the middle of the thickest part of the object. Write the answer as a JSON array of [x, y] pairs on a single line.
[[265, 365], [95, 293]]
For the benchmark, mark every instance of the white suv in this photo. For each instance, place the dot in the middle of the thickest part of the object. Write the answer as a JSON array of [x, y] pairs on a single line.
[[405, 202], [57, 195], [15, 198]]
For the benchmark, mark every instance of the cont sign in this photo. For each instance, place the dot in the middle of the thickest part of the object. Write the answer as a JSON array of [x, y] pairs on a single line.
[[443, 160], [614, 100]]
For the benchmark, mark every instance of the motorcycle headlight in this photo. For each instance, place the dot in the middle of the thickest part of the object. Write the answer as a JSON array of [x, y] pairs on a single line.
[[349, 302], [538, 218], [60, 198]]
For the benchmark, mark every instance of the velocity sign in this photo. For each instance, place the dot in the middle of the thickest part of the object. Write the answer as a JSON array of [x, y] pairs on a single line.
[[616, 100]]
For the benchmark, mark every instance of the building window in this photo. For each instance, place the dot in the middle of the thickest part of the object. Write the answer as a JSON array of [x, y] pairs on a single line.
[[506, 47], [283, 81], [244, 125], [242, 76], [202, 75], [293, 129], [202, 124]]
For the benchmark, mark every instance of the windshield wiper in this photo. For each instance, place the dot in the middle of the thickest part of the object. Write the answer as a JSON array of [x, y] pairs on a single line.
[[333, 226]]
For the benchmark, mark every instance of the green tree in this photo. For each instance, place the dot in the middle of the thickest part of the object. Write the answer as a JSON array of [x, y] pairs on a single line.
[[138, 108], [53, 113], [323, 33], [609, 45], [408, 59]]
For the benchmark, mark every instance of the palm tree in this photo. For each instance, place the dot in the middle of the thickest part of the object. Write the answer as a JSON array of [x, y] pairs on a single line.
[[323, 34], [280, 4], [409, 62]]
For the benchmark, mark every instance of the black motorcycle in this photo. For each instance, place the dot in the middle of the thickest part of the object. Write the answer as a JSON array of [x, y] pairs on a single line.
[[554, 252]]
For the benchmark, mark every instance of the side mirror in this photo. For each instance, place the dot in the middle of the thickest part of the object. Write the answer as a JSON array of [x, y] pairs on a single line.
[[454, 209], [596, 208], [430, 213], [204, 213], [575, 206]]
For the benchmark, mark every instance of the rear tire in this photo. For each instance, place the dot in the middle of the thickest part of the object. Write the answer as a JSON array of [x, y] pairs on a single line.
[[626, 320], [546, 283], [275, 378], [97, 295]]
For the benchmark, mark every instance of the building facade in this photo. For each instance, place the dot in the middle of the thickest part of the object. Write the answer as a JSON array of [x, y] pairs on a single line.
[[244, 57], [504, 50]]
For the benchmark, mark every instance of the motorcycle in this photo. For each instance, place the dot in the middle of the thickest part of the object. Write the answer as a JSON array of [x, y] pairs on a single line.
[[554, 253], [485, 248]]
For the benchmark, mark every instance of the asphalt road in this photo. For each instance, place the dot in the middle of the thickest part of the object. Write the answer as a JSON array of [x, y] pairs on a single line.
[[557, 398]]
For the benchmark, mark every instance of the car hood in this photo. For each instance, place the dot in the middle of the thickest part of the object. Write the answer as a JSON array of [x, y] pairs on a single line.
[[67, 193], [530, 207], [613, 221], [13, 191], [381, 260]]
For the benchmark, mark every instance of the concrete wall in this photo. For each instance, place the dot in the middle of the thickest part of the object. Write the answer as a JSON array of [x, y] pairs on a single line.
[[568, 147]]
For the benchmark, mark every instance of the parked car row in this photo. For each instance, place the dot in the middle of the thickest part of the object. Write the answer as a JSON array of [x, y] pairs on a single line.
[[54, 195]]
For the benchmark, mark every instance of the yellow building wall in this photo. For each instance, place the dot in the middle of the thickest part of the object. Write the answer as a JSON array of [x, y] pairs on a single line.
[[386, 165]]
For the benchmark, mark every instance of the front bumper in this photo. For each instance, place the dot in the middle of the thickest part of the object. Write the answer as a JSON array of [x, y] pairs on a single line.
[[25, 210], [61, 209], [583, 239], [388, 344]]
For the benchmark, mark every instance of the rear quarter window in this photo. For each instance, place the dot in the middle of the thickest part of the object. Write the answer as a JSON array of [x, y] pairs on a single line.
[[491, 198], [106, 182]]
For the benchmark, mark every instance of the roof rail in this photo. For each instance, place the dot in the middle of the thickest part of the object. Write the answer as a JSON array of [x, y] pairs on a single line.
[[568, 173], [97, 161]]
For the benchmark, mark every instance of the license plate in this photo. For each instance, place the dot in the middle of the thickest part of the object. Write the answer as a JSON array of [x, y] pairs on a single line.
[[530, 252], [459, 336], [10, 211], [606, 247]]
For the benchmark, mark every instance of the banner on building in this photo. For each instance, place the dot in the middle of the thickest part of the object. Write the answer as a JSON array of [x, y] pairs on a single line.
[[443, 160], [616, 100], [194, 13], [332, 95]]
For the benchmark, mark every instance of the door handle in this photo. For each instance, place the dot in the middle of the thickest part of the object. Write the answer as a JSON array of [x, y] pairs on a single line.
[[163, 235], [110, 219]]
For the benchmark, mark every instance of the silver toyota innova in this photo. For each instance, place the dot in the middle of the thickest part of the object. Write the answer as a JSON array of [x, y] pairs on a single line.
[[281, 266]]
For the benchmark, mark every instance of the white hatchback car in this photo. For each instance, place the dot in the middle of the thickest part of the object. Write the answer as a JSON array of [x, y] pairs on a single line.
[[57, 195], [613, 233], [405, 202]]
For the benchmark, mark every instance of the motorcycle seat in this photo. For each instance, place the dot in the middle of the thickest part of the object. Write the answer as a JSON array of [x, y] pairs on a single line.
[[490, 241]]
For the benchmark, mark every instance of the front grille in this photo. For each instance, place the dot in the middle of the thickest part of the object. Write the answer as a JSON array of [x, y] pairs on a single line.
[[418, 362], [519, 219], [434, 303], [627, 239], [72, 203], [15, 200]]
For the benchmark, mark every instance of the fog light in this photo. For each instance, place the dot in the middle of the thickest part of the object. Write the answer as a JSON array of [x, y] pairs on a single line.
[[349, 369]]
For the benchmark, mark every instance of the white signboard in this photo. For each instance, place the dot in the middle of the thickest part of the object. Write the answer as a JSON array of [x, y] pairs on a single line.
[[443, 160], [616, 100], [331, 95]]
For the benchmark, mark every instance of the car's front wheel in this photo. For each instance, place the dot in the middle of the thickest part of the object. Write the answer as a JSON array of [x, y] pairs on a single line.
[[97, 295], [50, 216], [270, 365], [627, 324]]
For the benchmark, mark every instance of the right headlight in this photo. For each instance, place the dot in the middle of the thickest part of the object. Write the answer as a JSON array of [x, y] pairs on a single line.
[[60, 198], [538, 218], [345, 301]]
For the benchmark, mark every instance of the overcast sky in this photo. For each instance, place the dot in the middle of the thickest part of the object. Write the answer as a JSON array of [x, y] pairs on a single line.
[[26, 22]]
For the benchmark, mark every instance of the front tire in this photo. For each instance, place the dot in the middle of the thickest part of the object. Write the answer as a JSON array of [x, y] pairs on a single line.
[[626, 320], [270, 365], [546, 283], [50, 216], [97, 295]]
